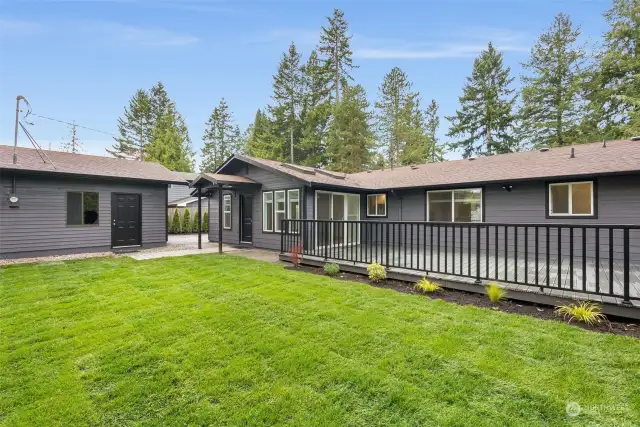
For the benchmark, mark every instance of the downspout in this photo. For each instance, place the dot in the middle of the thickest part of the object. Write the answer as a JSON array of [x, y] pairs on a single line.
[[200, 217], [219, 218]]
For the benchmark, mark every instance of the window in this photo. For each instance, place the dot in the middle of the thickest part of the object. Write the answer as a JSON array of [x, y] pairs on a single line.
[[571, 199], [82, 208], [267, 211], [463, 205], [280, 207], [226, 212], [293, 211], [376, 205]]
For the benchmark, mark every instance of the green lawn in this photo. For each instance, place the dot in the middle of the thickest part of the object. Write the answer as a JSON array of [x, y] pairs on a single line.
[[230, 341]]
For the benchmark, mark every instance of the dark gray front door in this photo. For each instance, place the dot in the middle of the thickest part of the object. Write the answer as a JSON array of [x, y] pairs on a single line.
[[246, 218], [125, 220]]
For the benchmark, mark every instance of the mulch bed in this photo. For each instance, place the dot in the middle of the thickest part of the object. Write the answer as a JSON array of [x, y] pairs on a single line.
[[612, 325]]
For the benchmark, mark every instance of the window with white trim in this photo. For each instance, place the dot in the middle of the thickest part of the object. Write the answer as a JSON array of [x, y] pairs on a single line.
[[571, 199], [459, 205], [226, 217], [279, 208], [293, 208], [267, 211], [377, 204]]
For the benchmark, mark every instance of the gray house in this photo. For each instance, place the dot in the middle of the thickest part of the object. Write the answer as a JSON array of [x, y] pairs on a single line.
[[478, 217], [54, 203]]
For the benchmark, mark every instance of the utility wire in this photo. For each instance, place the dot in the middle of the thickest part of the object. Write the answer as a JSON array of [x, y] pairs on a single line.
[[77, 125]]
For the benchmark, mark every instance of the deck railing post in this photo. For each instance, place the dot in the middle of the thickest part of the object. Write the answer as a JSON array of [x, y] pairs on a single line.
[[477, 255], [281, 241], [386, 244], [627, 300]]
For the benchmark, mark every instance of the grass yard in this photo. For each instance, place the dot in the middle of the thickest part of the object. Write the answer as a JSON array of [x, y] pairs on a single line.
[[223, 340]]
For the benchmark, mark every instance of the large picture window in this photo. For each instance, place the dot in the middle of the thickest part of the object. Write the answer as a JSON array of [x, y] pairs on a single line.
[[376, 205], [267, 211], [279, 208], [463, 205], [83, 208], [226, 212], [571, 199]]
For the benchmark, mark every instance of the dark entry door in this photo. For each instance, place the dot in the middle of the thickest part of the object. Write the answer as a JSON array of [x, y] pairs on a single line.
[[246, 218], [125, 220]]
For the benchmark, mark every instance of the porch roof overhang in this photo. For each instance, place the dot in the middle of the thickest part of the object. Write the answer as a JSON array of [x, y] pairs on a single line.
[[209, 181]]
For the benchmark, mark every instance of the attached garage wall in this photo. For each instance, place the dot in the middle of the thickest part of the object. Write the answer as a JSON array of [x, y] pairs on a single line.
[[38, 226]]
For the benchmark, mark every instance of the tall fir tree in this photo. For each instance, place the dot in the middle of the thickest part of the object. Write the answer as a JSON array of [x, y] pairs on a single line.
[[159, 102], [168, 145], [134, 128], [349, 139], [419, 134], [552, 105], [315, 113], [72, 144], [288, 96], [262, 141], [221, 138], [485, 118], [435, 151], [614, 81], [395, 118], [337, 54]]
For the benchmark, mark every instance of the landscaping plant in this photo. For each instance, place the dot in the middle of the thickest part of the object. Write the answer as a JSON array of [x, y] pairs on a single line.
[[377, 273], [331, 269], [425, 286], [205, 222], [169, 224], [186, 221], [175, 224], [195, 221], [586, 312], [296, 255], [495, 292]]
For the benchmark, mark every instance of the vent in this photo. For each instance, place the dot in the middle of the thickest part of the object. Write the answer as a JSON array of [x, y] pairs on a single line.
[[471, 158], [303, 169], [544, 149], [635, 138], [336, 175]]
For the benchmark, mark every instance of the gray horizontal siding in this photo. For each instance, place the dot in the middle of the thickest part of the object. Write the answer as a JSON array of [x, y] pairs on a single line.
[[39, 224], [177, 192]]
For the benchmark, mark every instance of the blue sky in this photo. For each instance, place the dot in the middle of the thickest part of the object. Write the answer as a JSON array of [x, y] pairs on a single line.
[[82, 60]]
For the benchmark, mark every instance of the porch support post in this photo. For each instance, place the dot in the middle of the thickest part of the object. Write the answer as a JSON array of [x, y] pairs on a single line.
[[219, 218], [200, 217]]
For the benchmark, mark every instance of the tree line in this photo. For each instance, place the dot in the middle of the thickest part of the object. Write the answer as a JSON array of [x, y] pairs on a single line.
[[319, 116]]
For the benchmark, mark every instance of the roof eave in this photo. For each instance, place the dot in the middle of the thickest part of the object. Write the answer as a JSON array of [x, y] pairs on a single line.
[[84, 175]]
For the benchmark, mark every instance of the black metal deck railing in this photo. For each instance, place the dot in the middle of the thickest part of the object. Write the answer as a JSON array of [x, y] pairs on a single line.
[[591, 259]]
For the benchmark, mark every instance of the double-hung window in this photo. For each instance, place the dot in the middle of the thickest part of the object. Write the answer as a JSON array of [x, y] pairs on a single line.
[[571, 199], [463, 205], [267, 211], [293, 211], [279, 208], [226, 217], [376, 204]]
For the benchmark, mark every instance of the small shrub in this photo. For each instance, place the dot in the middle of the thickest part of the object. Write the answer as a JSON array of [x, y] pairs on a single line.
[[331, 269], [425, 286], [296, 255], [186, 221], [175, 224], [586, 312], [495, 292], [205, 222], [376, 272], [169, 224], [195, 222]]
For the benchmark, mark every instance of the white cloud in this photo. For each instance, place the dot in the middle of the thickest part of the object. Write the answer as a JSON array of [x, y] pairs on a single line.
[[98, 32]]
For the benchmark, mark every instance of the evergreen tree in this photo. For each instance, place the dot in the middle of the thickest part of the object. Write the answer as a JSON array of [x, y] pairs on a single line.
[[262, 141], [159, 102], [551, 95], [72, 145], [134, 128], [169, 224], [168, 145], [287, 93], [175, 225], [205, 222], [221, 138], [396, 115], [419, 134], [186, 221], [485, 116], [195, 221], [335, 46], [435, 151], [349, 138], [315, 113], [614, 83]]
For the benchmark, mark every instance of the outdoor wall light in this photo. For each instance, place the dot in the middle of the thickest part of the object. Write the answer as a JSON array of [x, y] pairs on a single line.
[[507, 187]]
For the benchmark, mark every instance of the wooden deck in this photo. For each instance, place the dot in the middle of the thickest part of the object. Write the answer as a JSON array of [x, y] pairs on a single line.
[[510, 272]]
